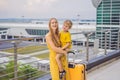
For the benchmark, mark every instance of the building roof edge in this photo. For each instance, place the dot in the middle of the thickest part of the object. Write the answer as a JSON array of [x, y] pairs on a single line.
[[96, 3]]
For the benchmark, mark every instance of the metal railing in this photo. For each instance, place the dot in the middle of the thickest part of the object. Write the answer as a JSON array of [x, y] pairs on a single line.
[[16, 66]]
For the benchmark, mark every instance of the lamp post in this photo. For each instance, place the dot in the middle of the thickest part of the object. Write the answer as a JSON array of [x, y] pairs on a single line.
[[78, 16], [23, 18]]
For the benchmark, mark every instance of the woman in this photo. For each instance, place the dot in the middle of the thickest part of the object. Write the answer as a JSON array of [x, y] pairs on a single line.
[[53, 43]]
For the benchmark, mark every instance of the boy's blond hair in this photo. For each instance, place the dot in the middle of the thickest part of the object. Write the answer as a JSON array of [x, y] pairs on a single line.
[[68, 22]]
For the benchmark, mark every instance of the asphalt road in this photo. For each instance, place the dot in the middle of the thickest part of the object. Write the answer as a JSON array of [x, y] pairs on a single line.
[[6, 45]]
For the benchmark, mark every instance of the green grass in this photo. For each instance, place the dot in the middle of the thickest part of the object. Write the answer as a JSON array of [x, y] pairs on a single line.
[[27, 50], [43, 56]]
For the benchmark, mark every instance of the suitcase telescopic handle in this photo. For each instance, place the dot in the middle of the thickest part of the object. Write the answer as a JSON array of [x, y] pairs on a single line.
[[73, 63], [71, 52]]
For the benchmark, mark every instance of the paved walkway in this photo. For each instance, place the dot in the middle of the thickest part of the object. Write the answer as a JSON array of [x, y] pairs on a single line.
[[107, 72], [110, 71]]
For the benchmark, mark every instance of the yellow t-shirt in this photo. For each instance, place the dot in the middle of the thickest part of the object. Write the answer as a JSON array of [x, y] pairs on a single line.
[[65, 37]]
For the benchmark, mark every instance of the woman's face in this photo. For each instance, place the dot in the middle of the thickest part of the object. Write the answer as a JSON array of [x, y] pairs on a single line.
[[54, 24]]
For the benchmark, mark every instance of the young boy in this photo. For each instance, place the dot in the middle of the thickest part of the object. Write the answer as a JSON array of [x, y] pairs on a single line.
[[65, 38]]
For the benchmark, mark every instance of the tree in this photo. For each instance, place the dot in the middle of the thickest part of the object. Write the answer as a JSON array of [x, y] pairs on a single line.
[[28, 72]]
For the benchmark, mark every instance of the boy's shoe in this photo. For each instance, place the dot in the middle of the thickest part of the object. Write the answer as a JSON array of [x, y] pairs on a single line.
[[62, 74]]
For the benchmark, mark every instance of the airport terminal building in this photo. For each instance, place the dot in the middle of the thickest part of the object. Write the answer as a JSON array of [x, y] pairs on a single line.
[[15, 30], [108, 23], [38, 31]]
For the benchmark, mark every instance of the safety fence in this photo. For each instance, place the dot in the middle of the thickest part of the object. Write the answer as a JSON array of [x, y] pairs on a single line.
[[21, 59]]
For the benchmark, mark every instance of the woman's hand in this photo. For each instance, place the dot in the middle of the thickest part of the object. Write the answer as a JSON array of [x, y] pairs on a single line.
[[66, 49], [65, 53], [56, 49]]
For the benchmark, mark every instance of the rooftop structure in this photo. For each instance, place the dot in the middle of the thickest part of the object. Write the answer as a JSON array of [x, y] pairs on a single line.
[[108, 23]]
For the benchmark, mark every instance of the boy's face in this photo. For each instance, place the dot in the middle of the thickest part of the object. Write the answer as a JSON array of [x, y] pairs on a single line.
[[65, 27]]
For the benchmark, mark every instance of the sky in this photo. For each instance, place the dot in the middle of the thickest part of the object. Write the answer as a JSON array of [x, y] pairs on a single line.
[[47, 9]]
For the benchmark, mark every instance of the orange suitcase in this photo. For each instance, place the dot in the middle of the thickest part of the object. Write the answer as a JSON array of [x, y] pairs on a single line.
[[77, 71]]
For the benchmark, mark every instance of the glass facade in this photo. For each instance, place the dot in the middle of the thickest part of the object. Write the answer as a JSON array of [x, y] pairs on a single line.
[[108, 12], [108, 18], [1, 29], [36, 32]]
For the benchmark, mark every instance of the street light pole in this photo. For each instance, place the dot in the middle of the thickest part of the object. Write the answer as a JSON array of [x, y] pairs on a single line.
[[78, 16], [23, 18]]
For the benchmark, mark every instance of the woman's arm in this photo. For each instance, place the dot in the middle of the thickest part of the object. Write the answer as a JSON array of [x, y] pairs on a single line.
[[56, 49]]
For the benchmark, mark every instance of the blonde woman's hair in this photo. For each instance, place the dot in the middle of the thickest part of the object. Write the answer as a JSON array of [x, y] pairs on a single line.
[[55, 41]]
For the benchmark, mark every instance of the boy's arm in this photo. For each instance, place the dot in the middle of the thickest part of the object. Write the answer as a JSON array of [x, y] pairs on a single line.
[[66, 46]]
